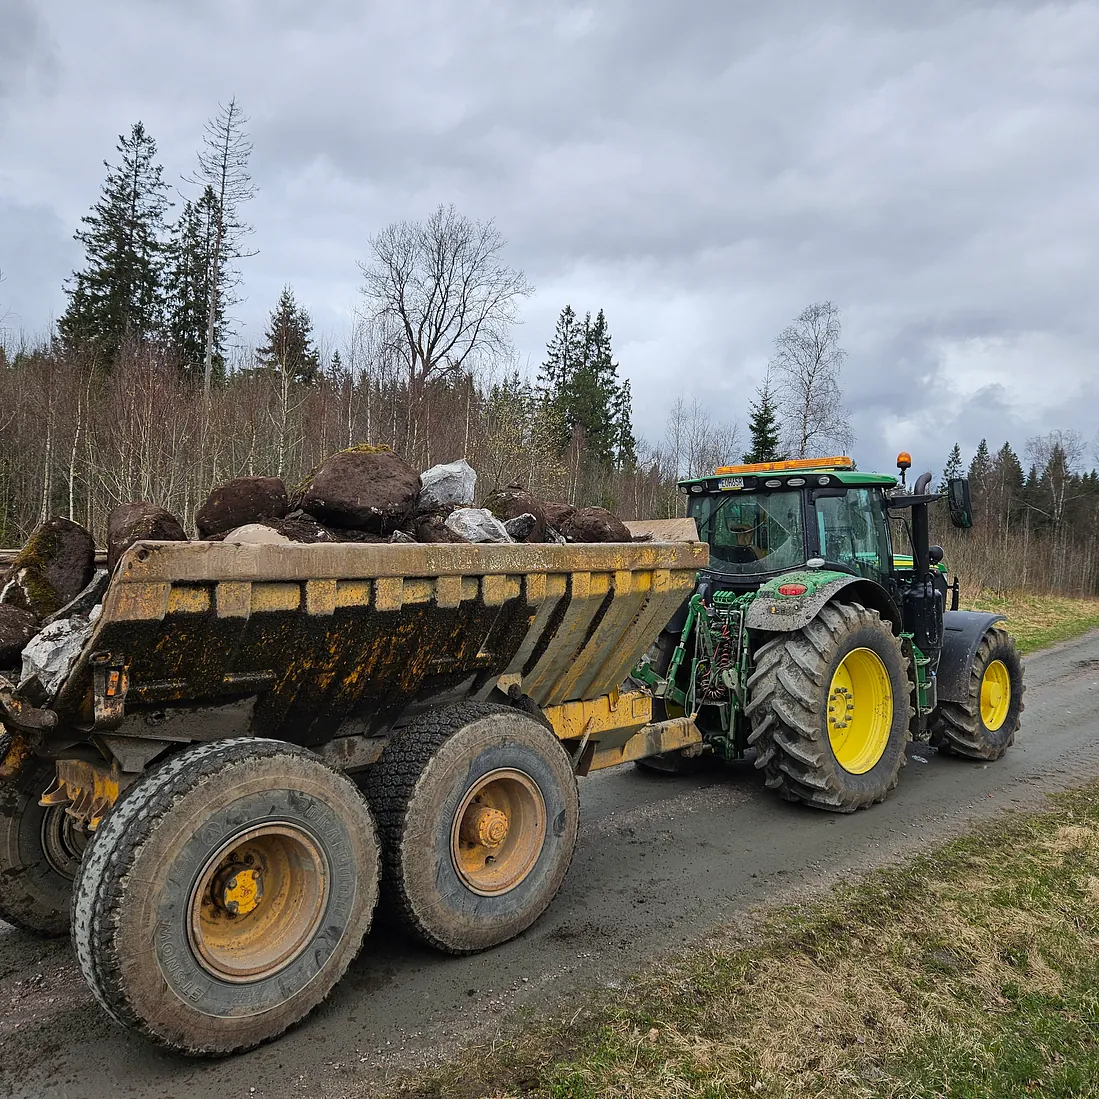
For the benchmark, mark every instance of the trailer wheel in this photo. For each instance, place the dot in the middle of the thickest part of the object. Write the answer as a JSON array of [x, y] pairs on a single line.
[[984, 725], [830, 709], [225, 896], [40, 852], [478, 811]]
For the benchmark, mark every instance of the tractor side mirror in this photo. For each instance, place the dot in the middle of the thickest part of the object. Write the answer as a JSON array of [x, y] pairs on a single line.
[[959, 502]]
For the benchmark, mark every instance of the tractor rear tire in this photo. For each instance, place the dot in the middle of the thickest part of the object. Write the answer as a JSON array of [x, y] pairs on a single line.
[[222, 899], [983, 727], [830, 710], [40, 851], [479, 813]]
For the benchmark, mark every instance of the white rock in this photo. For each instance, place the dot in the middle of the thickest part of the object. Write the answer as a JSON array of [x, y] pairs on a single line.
[[51, 654], [477, 525], [257, 534], [448, 484]]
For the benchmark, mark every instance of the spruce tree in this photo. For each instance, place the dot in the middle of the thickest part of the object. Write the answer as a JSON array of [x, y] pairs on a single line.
[[564, 357], [289, 347], [764, 427], [625, 445], [118, 295], [953, 467], [191, 259], [980, 469]]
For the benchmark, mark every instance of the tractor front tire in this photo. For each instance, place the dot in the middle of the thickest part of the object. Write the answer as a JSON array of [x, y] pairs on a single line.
[[983, 727], [479, 813], [830, 710], [222, 899], [40, 852]]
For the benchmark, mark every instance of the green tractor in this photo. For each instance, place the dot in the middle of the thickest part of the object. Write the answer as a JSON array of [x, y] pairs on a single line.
[[812, 642]]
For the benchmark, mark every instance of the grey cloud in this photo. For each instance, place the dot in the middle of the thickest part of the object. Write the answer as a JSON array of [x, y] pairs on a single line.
[[700, 171]]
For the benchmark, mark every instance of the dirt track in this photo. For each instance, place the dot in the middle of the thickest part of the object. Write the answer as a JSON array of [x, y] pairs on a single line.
[[660, 860]]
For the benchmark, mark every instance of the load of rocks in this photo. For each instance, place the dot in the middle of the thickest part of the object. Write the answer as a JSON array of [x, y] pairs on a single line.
[[51, 595]]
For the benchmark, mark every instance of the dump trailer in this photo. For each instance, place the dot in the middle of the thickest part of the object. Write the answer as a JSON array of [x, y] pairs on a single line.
[[254, 738]]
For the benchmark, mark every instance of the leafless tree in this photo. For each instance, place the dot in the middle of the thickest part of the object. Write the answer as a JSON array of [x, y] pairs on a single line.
[[442, 294], [223, 166], [805, 373], [1058, 455]]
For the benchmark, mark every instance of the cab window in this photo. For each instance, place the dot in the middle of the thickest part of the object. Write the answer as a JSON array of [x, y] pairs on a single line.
[[852, 531], [751, 533]]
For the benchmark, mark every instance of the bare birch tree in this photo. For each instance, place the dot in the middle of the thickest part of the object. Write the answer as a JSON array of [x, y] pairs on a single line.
[[805, 372], [223, 166]]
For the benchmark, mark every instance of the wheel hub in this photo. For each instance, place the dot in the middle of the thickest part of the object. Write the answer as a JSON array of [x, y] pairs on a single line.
[[239, 889], [995, 695], [483, 825]]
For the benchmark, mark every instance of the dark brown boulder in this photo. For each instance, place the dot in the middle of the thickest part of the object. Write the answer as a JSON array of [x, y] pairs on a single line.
[[139, 522], [17, 627], [56, 565], [595, 525], [239, 502], [556, 514], [511, 502], [364, 488], [433, 528]]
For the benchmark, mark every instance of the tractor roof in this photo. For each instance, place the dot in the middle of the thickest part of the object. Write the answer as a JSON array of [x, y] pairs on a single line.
[[838, 469]]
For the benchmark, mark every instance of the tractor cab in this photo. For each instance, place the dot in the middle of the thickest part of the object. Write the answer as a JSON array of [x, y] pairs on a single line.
[[767, 518]]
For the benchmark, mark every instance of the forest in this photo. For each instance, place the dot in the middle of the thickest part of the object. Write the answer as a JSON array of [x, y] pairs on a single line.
[[140, 392]]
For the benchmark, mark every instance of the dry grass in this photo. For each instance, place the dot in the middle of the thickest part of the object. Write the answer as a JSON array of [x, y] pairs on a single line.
[[972, 971], [1040, 620]]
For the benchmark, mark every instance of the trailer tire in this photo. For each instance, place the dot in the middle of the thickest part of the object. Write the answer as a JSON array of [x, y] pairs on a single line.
[[983, 727], [847, 657], [256, 831], [40, 851], [478, 811]]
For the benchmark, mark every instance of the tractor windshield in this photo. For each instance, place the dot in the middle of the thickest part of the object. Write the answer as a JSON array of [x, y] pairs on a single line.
[[751, 533]]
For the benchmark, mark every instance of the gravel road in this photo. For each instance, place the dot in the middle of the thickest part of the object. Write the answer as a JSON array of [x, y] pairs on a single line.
[[661, 860]]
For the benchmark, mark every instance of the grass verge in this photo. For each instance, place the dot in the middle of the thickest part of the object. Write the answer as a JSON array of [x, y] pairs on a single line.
[[1040, 620], [971, 971]]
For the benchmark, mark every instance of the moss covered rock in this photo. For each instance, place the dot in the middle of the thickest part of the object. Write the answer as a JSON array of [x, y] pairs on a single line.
[[56, 565]]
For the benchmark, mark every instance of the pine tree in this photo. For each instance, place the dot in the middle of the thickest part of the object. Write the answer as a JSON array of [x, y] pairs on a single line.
[[118, 296], [980, 469], [625, 444], [953, 467], [765, 429], [191, 259], [564, 357], [289, 348]]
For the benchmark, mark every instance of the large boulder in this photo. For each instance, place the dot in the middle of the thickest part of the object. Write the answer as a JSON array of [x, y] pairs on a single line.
[[594, 525], [139, 522], [477, 525], [364, 488], [17, 627], [239, 502], [556, 514], [452, 484], [49, 657], [56, 565], [512, 502]]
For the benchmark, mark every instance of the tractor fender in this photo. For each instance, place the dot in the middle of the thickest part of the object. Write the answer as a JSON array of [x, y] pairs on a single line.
[[962, 634], [776, 613]]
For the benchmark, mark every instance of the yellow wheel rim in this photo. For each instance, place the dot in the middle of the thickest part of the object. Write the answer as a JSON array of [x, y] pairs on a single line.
[[860, 711], [498, 832], [258, 902], [995, 695]]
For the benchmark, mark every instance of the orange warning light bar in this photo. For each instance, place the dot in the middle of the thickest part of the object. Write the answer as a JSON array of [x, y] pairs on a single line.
[[840, 462]]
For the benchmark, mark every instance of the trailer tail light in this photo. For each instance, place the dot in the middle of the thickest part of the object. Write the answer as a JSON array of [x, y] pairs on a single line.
[[792, 589]]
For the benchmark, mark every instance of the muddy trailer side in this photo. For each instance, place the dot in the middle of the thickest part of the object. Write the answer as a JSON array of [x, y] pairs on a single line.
[[188, 784]]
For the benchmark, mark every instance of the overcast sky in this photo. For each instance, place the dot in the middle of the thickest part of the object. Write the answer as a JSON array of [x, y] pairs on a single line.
[[700, 170]]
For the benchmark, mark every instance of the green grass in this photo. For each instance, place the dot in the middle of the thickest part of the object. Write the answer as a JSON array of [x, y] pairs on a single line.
[[972, 971], [1040, 620]]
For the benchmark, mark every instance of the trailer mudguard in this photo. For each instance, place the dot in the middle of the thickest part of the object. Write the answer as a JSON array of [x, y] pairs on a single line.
[[774, 612], [962, 633]]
